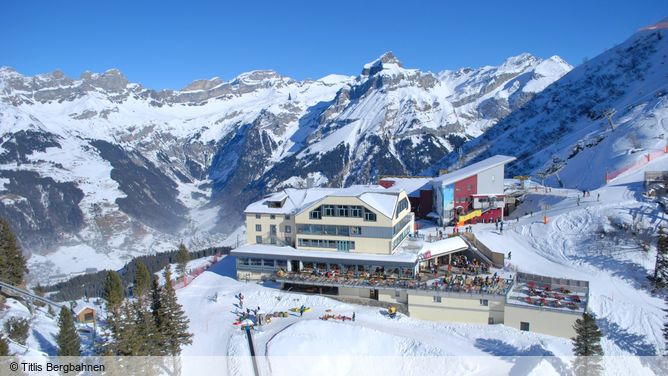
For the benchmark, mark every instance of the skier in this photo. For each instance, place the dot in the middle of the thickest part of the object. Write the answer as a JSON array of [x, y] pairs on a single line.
[[501, 227], [510, 256], [578, 201], [598, 196], [353, 316], [301, 310], [496, 224]]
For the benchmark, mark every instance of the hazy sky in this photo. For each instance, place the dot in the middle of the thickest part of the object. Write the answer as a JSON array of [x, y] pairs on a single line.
[[167, 44]]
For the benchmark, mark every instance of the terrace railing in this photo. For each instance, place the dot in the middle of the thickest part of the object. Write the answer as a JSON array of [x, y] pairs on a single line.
[[411, 285]]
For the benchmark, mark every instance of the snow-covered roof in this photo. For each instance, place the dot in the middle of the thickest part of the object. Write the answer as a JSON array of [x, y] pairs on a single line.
[[411, 185], [295, 200], [284, 253], [473, 169], [81, 308], [443, 247]]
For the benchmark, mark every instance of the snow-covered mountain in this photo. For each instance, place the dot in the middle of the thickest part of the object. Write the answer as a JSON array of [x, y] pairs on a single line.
[[606, 114], [99, 169]]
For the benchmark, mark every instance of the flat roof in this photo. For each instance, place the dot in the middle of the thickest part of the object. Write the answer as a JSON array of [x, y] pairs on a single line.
[[473, 169], [290, 253], [412, 185], [443, 247]]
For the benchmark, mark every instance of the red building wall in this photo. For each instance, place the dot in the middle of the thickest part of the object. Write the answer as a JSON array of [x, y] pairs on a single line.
[[463, 194]]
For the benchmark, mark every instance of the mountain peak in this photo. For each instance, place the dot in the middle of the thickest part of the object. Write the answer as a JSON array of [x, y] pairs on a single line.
[[377, 65]]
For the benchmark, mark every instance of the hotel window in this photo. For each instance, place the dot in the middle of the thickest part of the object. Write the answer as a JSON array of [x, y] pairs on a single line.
[[457, 189], [288, 240], [341, 211], [258, 239], [403, 205], [369, 216], [258, 216], [355, 230], [484, 302], [397, 293], [287, 216], [258, 227], [315, 213], [356, 211], [272, 229], [469, 187], [272, 216], [272, 240], [328, 210], [524, 326], [288, 229], [437, 299]]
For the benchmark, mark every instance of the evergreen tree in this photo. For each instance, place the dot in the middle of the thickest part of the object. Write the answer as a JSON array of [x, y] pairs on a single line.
[[113, 290], [12, 263], [587, 346], [665, 327], [142, 284], [137, 334], [113, 295], [182, 258], [4, 347], [171, 321], [660, 277], [68, 340]]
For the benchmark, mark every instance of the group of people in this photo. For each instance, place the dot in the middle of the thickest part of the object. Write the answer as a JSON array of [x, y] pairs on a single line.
[[470, 283]]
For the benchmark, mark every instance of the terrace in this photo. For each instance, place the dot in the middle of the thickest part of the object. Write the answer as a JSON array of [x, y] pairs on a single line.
[[549, 293], [451, 284]]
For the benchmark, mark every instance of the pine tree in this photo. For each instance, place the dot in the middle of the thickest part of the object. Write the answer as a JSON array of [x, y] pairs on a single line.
[[12, 263], [142, 282], [587, 346], [170, 319], [113, 295], [660, 277], [4, 347], [68, 340], [137, 334], [665, 327], [113, 290], [182, 258]]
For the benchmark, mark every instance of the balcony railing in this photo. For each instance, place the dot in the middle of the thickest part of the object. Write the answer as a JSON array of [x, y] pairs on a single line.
[[409, 284]]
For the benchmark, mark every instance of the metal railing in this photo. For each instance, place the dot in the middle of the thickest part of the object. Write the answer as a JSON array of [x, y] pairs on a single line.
[[409, 285]]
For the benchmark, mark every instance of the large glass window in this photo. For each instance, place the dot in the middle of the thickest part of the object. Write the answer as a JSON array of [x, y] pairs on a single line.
[[315, 213], [328, 210], [369, 216], [356, 211], [288, 240], [341, 211], [344, 230], [288, 229], [258, 239], [258, 228], [272, 229], [355, 230], [403, 205]]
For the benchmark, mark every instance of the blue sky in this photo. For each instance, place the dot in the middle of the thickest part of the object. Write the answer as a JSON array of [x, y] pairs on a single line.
[[167, 44]]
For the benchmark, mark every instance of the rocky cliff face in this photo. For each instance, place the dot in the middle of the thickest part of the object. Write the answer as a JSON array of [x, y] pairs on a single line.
[[103, 163]]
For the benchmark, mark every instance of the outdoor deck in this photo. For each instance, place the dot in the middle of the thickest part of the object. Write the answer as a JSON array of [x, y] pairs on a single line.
[[431, 287], [549, 293]]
